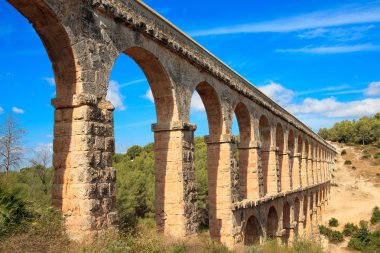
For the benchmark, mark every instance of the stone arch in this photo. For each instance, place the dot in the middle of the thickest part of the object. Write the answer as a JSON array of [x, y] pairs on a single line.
[[56, 42], [291, 150], [297, 212], [299, 146], [286, 220], [253, 231], [305, 211], [159, 82], [211, 102], [272, 223], [280, 143], [244, 123], [265, 138]]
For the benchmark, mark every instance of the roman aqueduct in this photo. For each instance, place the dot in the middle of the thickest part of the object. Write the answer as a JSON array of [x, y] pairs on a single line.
[[280, 186]]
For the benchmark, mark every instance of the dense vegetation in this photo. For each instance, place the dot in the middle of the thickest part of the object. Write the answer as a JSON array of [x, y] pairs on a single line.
[[135, 179], [366, 130]]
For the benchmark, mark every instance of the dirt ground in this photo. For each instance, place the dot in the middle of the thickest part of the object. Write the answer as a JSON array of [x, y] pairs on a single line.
[[356, 193]]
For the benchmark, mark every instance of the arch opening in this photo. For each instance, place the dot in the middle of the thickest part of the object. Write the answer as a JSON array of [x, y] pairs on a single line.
[[286, 221], [253, 232], [242, 155], [205, 106], [272, 223], [265, 138]]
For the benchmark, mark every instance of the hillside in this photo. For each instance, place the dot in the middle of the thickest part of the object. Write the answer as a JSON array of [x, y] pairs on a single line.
[[355, 190]]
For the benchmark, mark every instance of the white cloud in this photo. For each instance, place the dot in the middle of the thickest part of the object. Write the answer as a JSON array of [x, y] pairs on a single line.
[[278, 93], [149, 95], [1, 110], [49, 136], [50, 80], [114, 95], [332, 49], [354, 14], [17, 110], [373, 89], [337, 33], [331, 108], [196, 103]]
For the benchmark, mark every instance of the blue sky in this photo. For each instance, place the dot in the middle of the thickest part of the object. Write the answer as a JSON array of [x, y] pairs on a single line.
[[318, 59]]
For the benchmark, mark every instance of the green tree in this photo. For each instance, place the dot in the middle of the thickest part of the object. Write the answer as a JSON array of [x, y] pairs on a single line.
[[134, 151]]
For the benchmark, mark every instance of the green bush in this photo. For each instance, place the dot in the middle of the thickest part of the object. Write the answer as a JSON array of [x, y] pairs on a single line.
[[344, 152], [375, 215], [377, 156], [349, 229], [336, 237], [364, 240], [333, 222], [13, 212], [332, 235]]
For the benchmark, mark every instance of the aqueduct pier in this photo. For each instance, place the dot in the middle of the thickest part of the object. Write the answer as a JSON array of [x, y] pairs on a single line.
[[281, 184]]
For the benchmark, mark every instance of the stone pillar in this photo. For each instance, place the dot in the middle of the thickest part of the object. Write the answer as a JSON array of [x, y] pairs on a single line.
[[301, 220], [285, 171], [176, 207], [310, 171], [250, 170], [315, 167], [304, 171], [271, 174], [296, 179], [84, 184], [219, 159]]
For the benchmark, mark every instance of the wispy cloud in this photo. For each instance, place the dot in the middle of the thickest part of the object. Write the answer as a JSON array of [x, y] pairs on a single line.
[[346, 15], [114, 95], [337, 33], [50, 80], [373, 89], [314, 91], [149, 95], [17, 110], [133, 82], [332, 49], [1, 110]]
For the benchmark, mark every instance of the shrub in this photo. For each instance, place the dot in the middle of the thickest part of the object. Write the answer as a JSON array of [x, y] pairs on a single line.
[[13, 212], [349, 229], [333, 235], [377, 156], [333, 222], [375, 215], [347, 162], [334, 184], [353, 167], [364, 240], [344, 152]]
